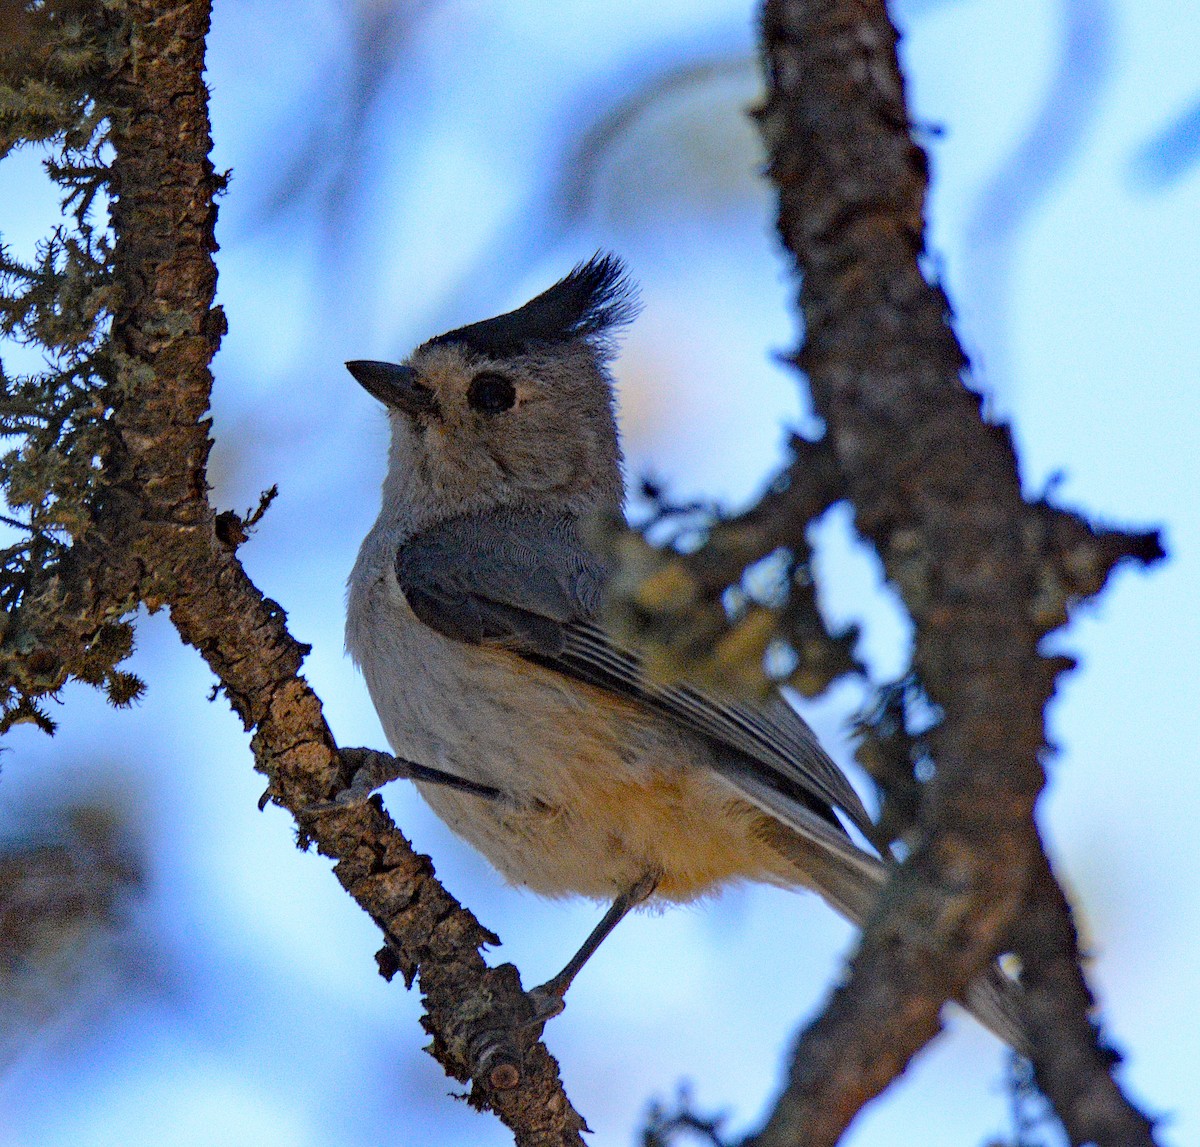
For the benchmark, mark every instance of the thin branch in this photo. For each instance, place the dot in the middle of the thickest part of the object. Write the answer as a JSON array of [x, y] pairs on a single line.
[[1076, 1074]]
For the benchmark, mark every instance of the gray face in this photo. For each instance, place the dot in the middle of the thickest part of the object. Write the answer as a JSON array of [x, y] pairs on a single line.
[[471, 431]]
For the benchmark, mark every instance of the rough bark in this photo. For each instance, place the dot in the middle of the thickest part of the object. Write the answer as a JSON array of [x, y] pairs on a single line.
[[156, 539], [985, 575]]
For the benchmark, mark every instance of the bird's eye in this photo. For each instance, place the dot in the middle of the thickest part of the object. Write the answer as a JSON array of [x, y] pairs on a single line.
[[491, 393]]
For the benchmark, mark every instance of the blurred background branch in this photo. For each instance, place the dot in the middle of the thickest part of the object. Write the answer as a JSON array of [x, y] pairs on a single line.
[[936, 490]]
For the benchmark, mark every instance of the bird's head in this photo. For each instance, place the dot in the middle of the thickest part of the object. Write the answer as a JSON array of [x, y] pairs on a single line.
[[514, 411]]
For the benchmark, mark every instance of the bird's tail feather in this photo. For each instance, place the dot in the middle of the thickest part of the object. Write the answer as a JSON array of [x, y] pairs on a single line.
[[850, 880]]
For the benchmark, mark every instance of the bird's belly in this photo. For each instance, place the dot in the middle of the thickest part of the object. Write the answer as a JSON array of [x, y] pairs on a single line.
[[598, 791], [672, 823]]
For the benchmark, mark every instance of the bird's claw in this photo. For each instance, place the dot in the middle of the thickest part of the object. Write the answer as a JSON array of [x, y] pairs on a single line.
[[548, 1001]]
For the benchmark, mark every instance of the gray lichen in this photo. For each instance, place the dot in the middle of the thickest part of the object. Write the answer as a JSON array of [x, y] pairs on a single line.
[[56, 420]]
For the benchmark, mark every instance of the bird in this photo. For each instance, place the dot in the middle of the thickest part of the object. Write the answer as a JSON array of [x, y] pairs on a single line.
[[475, 614]]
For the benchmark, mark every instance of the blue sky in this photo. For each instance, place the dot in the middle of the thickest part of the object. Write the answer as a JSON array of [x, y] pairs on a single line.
[[240, 1005]]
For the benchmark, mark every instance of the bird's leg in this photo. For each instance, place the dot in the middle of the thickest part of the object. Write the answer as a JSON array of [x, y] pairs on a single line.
[[371, 770], [549, 998]]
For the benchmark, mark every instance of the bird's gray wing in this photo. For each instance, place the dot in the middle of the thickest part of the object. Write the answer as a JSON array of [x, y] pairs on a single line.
[[527, 583], [504, 578]]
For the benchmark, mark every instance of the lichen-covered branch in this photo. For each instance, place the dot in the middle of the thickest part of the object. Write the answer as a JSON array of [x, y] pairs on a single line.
[[691, 614], [143, 530]]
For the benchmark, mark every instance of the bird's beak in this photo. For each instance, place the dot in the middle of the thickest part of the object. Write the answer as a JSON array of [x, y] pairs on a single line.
[[395, 386]]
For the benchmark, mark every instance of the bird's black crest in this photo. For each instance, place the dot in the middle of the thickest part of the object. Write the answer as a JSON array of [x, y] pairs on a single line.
[[593, 300]]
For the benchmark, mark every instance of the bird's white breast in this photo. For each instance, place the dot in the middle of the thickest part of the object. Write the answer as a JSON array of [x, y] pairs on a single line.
[[599, 791]]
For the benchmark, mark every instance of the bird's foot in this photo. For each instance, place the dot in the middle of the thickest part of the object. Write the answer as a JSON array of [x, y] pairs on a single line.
[[370, 770]]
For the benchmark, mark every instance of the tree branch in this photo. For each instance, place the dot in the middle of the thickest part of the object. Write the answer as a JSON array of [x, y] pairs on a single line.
[[155, 539], [1075, 1065], [984, 574]]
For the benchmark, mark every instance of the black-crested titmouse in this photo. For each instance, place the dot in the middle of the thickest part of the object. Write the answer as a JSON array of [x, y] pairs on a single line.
[[474, 615]]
